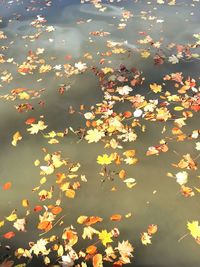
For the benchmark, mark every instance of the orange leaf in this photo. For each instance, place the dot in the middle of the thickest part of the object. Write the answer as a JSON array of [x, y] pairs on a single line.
[[129, 153], [56, 210], [91, 249], [94, 123], [18, 90], [127, 114], [88, 123], [97, 260], [45, 225], [7, 186], [152, 229], [116, 217], [186, 191], [122, 174], [92, 220], [71, 236], [60, 177], [9, 235], [30, 121]]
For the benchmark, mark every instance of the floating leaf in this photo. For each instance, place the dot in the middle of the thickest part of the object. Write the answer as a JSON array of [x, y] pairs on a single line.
[[91, 249], [9, 235], [25, 203], [35, 128], [105, 237], [97, 260], [7, 186], [16, 137], [194, 228], [156, 88], [70, 193], [116, 217], [56, 210], [12, 217]]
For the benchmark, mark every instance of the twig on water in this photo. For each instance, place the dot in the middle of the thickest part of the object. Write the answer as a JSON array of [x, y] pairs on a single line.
[[182, 237]]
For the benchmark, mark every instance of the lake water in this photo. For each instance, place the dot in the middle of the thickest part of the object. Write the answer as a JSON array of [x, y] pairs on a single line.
[[156, 198]]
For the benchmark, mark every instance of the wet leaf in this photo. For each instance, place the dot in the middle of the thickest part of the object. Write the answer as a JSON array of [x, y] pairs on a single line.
[[9, 235], [16, 137], [7, 186]]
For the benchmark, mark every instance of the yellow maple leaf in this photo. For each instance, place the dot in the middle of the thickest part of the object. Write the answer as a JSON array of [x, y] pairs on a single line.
[[145, 54], [105, 159], [107, 70], [24, 95], [105, 237], [36, 127], [12, 217], [156, 88], [45, 68], [194, 228], [57, 161], [94, 135]]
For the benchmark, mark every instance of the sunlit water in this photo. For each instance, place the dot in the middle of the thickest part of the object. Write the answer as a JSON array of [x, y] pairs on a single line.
[[167, 208]]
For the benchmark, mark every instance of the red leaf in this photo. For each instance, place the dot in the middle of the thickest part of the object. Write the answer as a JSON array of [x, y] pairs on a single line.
[[68, 57], [30, 121], [117, 264], [195, 108], [127, 114], [9, 235], [38, 208]]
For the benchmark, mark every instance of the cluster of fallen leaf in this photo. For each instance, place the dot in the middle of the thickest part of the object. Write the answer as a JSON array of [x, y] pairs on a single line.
[[172, 103]]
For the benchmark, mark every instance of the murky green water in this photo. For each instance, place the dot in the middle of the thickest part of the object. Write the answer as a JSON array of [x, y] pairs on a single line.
[[166, 208]]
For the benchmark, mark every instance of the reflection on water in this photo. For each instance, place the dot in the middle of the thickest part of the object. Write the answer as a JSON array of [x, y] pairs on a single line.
[[166, 208]]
